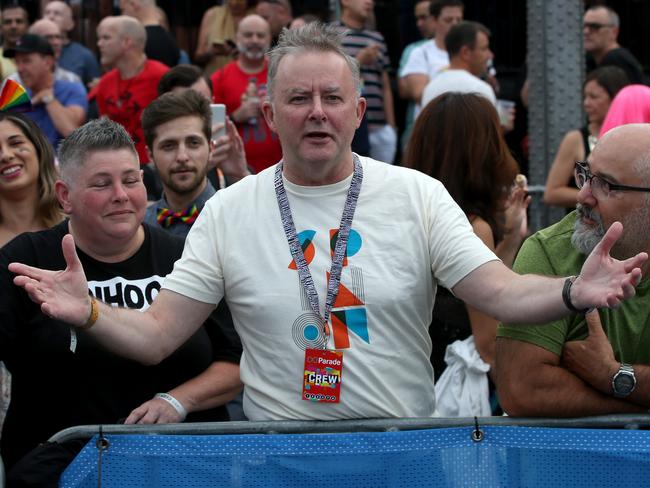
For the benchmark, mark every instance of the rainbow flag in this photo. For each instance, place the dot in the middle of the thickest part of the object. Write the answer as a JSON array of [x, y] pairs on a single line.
[[14, 98]]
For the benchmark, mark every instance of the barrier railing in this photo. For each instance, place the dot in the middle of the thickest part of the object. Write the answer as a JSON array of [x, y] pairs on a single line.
[[490, 451]]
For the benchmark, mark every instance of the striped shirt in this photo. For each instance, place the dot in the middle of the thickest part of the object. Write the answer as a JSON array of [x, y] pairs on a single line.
[[353, 42]]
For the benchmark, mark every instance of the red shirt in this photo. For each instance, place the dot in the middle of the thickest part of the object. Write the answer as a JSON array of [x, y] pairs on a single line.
[[124, 100], [260, 143]]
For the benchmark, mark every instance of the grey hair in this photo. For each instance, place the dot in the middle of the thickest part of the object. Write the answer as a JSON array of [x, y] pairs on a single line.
[[611, 14], [97, 135], [314, 36]]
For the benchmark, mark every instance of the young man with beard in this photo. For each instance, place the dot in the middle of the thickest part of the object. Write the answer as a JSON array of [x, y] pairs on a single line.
[[178, 132], [597, 363], [241, 85]]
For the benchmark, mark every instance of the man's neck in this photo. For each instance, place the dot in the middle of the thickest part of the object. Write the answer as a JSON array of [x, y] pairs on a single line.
[[180, 201], [352, 21], [318, 175], [456, 63], [600, 54], [131, 65], [251, 66], [440, 42]]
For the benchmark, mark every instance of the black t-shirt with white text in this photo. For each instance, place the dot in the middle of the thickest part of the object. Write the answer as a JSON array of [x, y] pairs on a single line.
[[62, 377]]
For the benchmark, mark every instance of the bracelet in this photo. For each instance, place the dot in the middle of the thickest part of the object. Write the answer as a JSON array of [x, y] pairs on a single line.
[[566, 296], [178, 406], [94, 314]]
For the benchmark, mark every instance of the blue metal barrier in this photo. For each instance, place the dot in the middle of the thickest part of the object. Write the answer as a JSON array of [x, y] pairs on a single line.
[[380, 453]]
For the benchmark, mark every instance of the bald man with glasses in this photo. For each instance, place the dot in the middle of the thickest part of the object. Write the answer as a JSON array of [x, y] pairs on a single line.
[[591, 362], [600, 29]]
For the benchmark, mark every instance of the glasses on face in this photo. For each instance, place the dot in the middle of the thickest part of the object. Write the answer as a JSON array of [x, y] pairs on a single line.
[[595, 26], [600, 187]]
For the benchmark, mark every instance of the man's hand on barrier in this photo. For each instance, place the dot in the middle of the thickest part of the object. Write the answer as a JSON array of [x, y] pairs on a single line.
[[155, 411]]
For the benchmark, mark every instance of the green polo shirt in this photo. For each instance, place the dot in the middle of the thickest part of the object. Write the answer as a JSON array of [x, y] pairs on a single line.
[[549, 252]]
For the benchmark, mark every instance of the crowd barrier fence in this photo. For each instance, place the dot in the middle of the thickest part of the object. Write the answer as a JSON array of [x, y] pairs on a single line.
[[490, 452]]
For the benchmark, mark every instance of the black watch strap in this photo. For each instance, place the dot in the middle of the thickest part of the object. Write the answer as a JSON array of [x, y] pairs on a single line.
[[566, 297]]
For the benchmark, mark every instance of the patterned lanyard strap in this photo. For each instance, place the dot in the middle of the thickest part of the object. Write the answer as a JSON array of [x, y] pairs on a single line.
[[341, 242]]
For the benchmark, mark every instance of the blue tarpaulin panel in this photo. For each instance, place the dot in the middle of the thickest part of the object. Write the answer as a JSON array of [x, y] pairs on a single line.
[[447, 457]]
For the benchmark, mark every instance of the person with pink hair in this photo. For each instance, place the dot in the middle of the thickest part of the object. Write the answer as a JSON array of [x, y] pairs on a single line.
[[630, 106]]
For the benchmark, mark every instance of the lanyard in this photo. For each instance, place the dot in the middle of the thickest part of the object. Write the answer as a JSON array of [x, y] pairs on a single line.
[[339, 251]]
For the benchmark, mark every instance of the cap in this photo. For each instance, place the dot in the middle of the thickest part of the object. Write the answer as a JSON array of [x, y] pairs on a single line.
[[30, 43]]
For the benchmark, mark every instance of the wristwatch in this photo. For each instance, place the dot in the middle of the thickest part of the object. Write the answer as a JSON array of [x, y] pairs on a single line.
[[624, 381], [47, 99]]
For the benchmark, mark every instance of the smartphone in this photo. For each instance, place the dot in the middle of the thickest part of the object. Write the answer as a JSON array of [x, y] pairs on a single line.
[[218, 116]]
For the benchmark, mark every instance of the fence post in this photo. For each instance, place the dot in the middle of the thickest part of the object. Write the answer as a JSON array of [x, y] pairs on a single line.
[[555, 73]]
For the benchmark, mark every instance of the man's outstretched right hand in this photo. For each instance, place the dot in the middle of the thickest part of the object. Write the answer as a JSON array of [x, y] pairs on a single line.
[[62, 295]]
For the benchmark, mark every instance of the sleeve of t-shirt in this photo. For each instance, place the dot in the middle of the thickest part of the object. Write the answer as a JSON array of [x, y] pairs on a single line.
[[533, 259], [76, 96], [416, 63], [403, 60], [198, 274], [455, 250]]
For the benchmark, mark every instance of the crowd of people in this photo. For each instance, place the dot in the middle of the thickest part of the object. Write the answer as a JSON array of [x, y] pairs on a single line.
[[261, 253]]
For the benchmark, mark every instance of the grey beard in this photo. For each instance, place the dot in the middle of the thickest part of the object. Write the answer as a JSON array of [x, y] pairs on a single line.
[[585, 237], [251, 54]]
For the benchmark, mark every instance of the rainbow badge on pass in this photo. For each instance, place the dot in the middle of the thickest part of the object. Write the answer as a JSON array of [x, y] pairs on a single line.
[[14, 98], [322, 376]]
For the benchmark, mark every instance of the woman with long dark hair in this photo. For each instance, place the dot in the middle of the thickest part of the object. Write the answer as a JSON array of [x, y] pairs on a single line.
[[458, 140]]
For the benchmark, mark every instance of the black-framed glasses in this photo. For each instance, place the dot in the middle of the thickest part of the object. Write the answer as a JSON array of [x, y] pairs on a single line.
[[595, 26], [600, 187]]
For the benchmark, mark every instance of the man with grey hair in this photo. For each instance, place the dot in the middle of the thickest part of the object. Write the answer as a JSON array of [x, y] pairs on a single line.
[[102, 192], [597, 363], [600, 31], [377, 237], [124, 92]]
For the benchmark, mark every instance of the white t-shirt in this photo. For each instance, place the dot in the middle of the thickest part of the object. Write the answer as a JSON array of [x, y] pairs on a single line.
[[406, 229], [426, 59], [457, 80]]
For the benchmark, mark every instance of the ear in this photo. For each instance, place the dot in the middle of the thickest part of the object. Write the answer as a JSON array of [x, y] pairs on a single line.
[[62, 192], [361, 109], [464, 53], [269, 116]]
